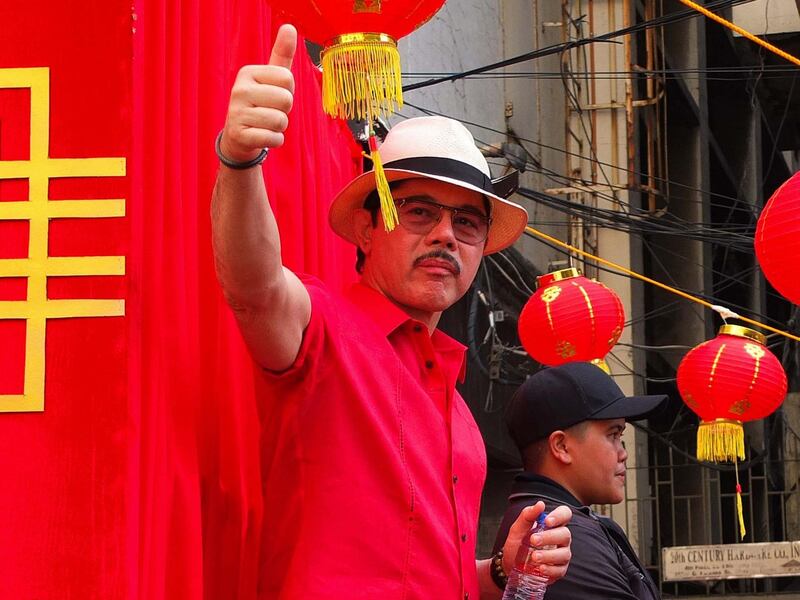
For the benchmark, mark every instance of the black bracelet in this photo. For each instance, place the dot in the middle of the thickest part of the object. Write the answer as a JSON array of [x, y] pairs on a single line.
[[497, 571], [234, 164]]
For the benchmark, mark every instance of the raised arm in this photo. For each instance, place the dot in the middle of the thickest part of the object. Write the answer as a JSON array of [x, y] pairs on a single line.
[[271, 305]]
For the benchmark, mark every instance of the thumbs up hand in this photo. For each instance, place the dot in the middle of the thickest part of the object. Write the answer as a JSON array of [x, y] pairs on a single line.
[[261, 98]]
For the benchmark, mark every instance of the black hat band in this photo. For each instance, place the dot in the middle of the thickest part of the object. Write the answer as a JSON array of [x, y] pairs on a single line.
[[444, 167]]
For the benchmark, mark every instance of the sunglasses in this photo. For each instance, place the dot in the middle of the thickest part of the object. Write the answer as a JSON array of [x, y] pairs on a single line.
[[420, 216]]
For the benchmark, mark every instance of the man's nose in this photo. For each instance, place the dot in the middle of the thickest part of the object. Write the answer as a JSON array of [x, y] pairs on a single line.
[[442, 232], [623, 453]]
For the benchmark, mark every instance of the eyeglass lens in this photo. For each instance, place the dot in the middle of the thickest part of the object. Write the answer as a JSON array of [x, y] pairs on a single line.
[[421, 217]]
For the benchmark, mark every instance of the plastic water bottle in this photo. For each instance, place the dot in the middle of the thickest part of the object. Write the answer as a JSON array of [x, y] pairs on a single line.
[[526, 581]]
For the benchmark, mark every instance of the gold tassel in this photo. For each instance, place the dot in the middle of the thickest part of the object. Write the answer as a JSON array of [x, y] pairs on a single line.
[[720, 440], [361, 80], [739, 508], [361, 76], [388, 208]]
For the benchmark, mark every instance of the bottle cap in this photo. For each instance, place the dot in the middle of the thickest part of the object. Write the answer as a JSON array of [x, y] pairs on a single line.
[[540, 520]]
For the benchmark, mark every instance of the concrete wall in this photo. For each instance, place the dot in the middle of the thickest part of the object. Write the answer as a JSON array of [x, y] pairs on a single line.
[[767, 17]]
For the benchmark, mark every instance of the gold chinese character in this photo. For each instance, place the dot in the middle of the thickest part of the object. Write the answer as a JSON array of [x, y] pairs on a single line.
[[740, 406], [754, 350], [38, 210], [565, 349], [366, 6], [550, 294]]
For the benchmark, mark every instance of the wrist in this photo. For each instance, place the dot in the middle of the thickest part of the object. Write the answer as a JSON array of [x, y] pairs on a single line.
[[497, 570], [224, 156]]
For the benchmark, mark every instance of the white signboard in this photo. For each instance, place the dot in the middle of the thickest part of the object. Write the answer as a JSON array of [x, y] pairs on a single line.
[[730, 561]]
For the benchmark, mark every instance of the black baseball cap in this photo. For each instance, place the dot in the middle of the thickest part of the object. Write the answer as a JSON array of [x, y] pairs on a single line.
[[560, 397]]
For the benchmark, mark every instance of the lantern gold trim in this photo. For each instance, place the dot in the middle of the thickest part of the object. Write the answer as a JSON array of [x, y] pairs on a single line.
[[351, 38], [744, 332], [601, 363], [548, 278]]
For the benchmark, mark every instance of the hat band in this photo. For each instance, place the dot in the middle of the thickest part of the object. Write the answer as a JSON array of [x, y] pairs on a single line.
[[444, 167]]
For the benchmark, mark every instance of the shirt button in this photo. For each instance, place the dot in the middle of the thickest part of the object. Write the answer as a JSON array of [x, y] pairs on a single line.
[[428, 364], [463, 537], [455, 478], [466, 596], [417, 328]]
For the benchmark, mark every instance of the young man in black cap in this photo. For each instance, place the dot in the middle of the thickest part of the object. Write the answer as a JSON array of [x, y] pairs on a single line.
[[567, 422]]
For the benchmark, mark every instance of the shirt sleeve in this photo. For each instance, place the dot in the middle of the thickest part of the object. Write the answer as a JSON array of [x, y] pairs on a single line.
[[313, 337]]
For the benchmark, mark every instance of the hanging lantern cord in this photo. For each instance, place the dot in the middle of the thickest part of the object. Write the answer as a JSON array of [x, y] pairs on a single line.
[[663, 286]]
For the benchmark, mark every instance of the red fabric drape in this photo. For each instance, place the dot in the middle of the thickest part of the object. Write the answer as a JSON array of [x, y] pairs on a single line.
[[141, 478], [66, 472]]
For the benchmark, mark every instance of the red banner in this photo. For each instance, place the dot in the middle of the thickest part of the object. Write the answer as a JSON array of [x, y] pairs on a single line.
[[128, 420]]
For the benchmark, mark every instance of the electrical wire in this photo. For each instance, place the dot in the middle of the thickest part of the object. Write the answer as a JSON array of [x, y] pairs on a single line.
[[510, 262], [651, 281], [701, 236], [669, 19], [586, 158], [524, 292], [707, 74], [777, 135], [613, 220], [731, 280], [743, 32], [666, 308], [663, 348], [568, 73], [644, 223], [726, 279], [646, 243]]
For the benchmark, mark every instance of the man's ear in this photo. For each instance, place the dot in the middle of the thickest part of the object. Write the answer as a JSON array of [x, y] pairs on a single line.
[[362, 228], [557, 444]]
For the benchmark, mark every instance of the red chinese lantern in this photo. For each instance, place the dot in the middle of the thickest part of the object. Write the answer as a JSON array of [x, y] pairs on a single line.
[[726, 381], [360, 61], [571, 318], [777, 239]]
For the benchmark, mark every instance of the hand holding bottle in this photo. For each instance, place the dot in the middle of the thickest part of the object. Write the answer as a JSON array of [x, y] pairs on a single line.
[[540, 541], [527, 581]]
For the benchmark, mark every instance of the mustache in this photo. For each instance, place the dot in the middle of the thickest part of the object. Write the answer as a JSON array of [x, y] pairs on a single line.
[[440, 254]]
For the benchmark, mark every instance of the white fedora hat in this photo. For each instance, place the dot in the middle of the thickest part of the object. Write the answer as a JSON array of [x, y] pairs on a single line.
[[434, 148]]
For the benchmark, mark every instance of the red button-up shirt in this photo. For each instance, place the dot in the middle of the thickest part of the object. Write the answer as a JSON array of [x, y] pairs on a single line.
[[374, 464]]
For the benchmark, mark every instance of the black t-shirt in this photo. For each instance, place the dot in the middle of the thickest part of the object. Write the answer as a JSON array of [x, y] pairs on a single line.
[[603, 566]]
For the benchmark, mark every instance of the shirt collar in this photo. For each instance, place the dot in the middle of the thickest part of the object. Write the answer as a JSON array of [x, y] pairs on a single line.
[[386, 315], [389, 317], [528, 482]]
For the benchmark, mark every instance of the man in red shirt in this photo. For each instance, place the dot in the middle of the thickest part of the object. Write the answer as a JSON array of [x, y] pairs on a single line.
[[373, 463]]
